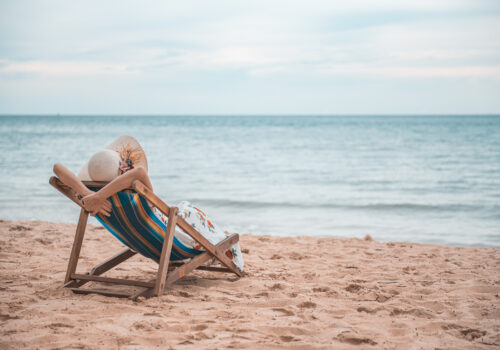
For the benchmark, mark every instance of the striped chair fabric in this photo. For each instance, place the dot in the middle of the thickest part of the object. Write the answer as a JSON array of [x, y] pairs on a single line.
[[133, 222]]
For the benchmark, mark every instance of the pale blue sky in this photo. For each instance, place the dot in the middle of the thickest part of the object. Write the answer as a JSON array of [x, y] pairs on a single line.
[[250, 57]]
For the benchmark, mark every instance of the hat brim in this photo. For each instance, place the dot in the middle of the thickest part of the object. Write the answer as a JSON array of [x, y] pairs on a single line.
[[117, 145]]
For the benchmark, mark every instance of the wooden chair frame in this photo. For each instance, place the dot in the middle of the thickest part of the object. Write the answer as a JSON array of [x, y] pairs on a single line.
[[168, 272]]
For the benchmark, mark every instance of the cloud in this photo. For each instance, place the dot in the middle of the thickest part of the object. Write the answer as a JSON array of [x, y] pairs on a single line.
[[228, 43], [492, 72], [63, 68]]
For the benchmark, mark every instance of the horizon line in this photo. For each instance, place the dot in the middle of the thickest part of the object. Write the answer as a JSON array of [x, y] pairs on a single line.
[[250, 115]]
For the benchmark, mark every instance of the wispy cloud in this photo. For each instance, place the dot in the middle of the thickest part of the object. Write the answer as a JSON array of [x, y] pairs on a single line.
[[63, 68], [322, 44]]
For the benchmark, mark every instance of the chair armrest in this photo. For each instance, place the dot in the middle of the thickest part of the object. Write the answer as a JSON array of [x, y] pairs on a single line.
[[68, 192], [95, 184], [61, 187], [100, 184]]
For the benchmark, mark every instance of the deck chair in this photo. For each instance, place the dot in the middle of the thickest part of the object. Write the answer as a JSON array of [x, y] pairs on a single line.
[[135, 225]]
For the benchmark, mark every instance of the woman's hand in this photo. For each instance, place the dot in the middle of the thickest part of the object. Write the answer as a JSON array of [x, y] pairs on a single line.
[[124, 167], [95, 204]]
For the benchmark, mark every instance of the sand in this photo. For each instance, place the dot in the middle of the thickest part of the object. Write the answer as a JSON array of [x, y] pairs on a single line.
[[300, 293]]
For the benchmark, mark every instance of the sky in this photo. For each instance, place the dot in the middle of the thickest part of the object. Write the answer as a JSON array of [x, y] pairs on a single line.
[[250, 57]]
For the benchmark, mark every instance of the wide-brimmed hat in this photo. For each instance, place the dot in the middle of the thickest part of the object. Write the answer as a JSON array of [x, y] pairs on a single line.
[[127, 148]]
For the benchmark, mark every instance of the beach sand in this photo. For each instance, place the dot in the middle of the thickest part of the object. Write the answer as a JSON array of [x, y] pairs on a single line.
[[300, 293]]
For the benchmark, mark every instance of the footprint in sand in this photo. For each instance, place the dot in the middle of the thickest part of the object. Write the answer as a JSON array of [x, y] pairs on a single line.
[[200, 327], [471, 334], [5, 317], [307, 305], [287, 338], [464, 332], [297, 256], [59, 325], [415, 312], [184, 294], [309, 276], [276, 286], [367, 310], [350, 338], [353, 288], [185, 342], [285, 312], [44, 241], [20, 228]]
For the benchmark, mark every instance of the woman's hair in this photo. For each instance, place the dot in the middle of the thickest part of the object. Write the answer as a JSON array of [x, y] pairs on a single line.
[[129, 154]]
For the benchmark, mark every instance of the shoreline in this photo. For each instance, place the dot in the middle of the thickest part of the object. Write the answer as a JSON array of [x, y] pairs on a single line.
[[301, 292], [453, 245]]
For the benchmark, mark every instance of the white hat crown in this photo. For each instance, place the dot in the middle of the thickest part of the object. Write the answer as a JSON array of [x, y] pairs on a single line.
[[104, 165], [127, 142]]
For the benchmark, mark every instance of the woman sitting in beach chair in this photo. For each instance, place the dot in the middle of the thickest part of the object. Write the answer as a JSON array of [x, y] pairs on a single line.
[[122, 163]]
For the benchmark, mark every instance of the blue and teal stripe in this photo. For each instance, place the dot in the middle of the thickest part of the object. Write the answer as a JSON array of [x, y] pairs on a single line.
[[133, 222]]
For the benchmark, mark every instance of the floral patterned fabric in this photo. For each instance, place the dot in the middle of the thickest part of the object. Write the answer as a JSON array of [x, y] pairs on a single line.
[[199, 220]]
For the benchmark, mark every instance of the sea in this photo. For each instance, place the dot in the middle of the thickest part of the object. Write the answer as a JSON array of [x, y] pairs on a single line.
[[425, 179]]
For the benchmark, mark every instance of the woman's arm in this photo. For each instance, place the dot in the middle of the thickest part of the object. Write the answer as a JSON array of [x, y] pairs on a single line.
[[125, 181], [69, 179], [95, 201]]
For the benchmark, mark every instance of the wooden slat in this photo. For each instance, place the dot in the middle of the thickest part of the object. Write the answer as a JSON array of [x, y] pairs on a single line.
[[101, 291], [198, 260], [77, 244], [214, 268], [68, 192], [219, 254], [122, 281], [165, 252], [75, 283], [95, 184], [101, 268], [100, 184], [157, 202], [174, 264], [112, 262], [183, 270], [178, 273], [186, 268]]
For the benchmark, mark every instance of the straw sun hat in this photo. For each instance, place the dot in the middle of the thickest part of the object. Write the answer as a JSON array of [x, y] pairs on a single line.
[[105, 164]]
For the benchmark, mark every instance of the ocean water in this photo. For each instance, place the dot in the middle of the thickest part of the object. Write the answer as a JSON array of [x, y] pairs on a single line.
[[430, 179]]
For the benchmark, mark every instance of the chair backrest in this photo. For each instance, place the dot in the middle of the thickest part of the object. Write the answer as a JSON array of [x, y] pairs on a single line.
[[133, 222]]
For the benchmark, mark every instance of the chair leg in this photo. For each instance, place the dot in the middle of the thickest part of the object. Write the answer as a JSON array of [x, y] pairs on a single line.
[[187, 228], [77, 244], [209, 247], [198, 260], [165, 252], [112, 262], [189, 266]]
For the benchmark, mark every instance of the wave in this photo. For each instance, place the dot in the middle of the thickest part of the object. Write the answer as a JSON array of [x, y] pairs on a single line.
[[367, 207]]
